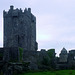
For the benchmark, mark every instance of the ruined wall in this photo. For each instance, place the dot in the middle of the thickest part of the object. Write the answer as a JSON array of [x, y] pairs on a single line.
[[71, 58], [35, 58], [63, 55]]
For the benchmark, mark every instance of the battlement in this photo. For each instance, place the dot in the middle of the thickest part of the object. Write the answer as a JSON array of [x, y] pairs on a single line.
[[16, 12]]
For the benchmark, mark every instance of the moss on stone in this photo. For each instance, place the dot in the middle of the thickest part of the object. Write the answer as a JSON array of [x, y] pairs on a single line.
[[21, 53]]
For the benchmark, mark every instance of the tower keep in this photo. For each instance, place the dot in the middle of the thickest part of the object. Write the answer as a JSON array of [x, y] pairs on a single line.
[[20, 29]]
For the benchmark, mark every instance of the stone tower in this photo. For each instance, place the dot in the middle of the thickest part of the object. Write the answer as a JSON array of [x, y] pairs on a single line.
[[20, 29]]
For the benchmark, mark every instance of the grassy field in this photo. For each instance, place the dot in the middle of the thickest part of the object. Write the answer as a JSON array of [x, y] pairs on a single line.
[[61, 72]]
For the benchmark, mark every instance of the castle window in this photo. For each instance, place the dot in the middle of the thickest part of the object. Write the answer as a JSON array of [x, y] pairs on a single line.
[[74, 57], [18, 39], [32, 20]]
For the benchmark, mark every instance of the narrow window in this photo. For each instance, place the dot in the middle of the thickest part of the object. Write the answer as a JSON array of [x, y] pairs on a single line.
[[18, 40], [74, 57]]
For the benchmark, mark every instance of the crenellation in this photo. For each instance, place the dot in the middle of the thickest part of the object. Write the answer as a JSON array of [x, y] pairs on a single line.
[[20, 10], [5, 13], [29, 10], [11, 7], [25, 10], [28, 14]]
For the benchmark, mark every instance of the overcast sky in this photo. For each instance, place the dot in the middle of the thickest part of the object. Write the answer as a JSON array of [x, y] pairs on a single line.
[[55, 21]]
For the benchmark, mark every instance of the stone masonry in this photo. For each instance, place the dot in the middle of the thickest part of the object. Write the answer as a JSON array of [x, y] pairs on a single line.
[[20, 29]]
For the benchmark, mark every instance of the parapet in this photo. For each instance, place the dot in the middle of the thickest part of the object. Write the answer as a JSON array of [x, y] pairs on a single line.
[[43, 49], [16, 11], [11, 7]]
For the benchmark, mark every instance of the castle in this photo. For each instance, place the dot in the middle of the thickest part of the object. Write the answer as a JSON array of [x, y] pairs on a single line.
[[20, 32]]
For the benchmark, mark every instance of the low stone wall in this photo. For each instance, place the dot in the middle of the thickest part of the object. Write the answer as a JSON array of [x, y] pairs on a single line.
[[35, 58]]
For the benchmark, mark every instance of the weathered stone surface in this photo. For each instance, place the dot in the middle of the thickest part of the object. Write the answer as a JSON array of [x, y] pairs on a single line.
[[35, 58], [66, 60], [71, 59], [20, 29], [11, 54], [63, 55]]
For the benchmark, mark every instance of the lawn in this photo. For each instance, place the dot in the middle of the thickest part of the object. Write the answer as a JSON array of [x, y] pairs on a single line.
[[61, 72]]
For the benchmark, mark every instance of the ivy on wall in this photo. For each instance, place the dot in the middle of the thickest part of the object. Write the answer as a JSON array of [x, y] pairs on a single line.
[[51, 53], [21, 53]]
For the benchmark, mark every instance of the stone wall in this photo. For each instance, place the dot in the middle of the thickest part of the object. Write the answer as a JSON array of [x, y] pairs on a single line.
[[66, 60], [1, 53], [9, 54], [71, 58], [37, 59]]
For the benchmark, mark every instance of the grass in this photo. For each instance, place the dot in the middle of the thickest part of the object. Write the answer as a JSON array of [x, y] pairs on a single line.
[[61, 72]]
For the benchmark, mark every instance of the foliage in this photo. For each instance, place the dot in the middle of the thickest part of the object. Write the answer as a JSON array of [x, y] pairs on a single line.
[[51, 53], [1, 56], [1, 73], [15, 60], [26, 63], [60, 72], [45, 61], [48, 61], [25, 66], [21, 53]]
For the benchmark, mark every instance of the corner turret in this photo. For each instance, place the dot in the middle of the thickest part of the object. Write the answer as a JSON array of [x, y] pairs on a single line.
[[29, 9], [11, 7]]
